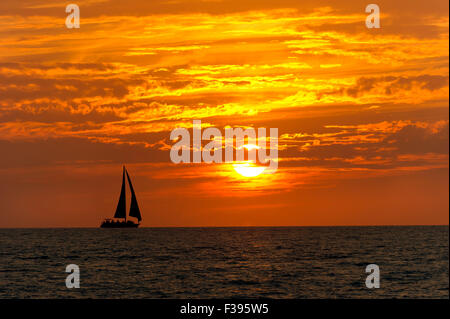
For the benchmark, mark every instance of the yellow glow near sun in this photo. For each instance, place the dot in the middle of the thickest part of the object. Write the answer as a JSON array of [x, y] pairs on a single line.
[[248, 169], [251, 147]]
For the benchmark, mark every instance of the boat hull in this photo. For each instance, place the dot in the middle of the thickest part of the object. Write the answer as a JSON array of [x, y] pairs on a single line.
[[127, 224]]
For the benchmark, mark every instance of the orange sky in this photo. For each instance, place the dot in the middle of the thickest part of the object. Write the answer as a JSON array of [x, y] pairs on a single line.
[[362, 114]]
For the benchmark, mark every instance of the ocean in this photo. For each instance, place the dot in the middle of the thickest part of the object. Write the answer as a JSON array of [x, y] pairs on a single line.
[[254, 262]]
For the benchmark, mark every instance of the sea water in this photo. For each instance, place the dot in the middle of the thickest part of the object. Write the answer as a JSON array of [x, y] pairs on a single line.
[[278, 262]]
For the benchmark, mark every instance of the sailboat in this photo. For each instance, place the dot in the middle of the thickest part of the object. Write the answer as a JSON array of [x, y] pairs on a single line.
[[121, 211]]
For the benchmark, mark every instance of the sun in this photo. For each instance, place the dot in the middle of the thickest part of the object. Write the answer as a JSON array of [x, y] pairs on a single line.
[[248, 169]]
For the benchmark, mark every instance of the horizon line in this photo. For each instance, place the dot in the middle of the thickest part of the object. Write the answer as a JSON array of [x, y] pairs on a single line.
[[265, 226]]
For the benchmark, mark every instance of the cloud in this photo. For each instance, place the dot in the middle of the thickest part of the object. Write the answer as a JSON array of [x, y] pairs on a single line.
[[383, 145], [393, 84]]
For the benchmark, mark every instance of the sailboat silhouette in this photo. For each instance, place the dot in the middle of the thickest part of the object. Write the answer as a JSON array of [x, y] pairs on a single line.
[[121, 210]]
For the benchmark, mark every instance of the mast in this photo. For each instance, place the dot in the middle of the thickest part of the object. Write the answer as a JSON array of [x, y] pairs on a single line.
[[121, 210], [134, 208]]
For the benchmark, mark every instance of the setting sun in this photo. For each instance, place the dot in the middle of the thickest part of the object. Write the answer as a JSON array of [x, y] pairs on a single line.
[[248, 169]]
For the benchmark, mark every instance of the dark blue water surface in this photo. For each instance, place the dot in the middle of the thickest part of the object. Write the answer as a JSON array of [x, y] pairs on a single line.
[[279, 262]]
